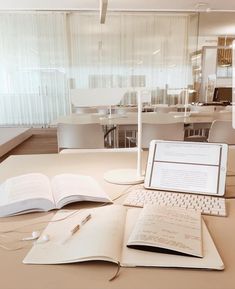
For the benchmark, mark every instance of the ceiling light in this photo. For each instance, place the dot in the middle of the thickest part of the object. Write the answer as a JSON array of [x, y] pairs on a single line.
[[202, 7], [103, 10], [156, 51]]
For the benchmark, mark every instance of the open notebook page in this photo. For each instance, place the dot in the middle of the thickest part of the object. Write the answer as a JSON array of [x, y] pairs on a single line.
[[131, 257], [173, 230], [99, 239]]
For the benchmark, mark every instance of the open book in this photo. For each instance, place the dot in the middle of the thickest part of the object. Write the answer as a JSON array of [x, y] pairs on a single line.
[[36, 192], [113, 228]]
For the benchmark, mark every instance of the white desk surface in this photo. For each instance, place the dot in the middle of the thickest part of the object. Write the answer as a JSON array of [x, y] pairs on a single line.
[[15, 275], [147, 117], [10, 137], [9, 133]]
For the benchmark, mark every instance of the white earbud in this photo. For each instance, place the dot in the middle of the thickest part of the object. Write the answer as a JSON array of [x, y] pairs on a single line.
[[43, 239], [35, 236]]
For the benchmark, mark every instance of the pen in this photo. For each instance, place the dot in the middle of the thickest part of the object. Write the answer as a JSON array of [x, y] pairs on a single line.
[[87, 218], [83, 222], [77, 228]]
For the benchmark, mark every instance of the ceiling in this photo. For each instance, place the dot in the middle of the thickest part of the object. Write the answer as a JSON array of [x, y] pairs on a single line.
[[139, 5], [217, 24]]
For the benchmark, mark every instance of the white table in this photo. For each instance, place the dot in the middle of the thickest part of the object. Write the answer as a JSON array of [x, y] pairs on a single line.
[[129, 121], [95, 275], [147, 117]]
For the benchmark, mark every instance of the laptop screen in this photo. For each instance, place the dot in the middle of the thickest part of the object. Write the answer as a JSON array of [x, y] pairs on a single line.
[[187, 167]]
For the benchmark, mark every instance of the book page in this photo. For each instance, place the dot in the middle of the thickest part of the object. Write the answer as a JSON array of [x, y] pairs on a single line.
[[24, 188], [100, 238], [167, 228], [69, 188]]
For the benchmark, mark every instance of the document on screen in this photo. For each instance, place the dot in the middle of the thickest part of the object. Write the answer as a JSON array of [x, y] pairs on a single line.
[[186, 167]]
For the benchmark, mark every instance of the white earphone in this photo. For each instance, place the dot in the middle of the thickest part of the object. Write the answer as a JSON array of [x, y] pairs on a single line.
[[35, 236], [44, 238]]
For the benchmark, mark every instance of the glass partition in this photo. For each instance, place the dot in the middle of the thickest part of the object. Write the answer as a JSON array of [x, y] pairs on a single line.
[[43, 55], [33, 70], [148, 50], [216, 71]]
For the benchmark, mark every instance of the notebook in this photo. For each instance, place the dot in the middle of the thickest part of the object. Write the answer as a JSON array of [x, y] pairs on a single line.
[[187, 167], [110, 229]]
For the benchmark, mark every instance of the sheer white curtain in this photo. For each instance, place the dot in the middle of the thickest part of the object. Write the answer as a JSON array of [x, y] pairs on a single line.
[[44, 54], [34, 60], [131, 50]]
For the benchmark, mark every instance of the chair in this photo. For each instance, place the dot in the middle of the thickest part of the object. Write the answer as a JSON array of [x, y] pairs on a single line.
[[207, 109], [74, 136], [82, 110], [129, 133], [162, 131], [197, 132], [165, 109], [221, 131], [224, 115]]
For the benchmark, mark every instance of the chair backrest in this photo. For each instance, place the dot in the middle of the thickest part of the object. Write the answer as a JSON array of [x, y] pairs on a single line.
[[221, 131], [224, 115], [81, 110], [165, 109], [163, 131], [80, 136], [202, 108]]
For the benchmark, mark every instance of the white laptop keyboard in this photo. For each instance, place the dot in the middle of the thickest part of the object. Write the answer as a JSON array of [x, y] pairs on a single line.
[[209, 205]]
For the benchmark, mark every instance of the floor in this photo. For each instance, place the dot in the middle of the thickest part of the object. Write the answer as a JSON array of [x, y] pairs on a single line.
[[43, 141]]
